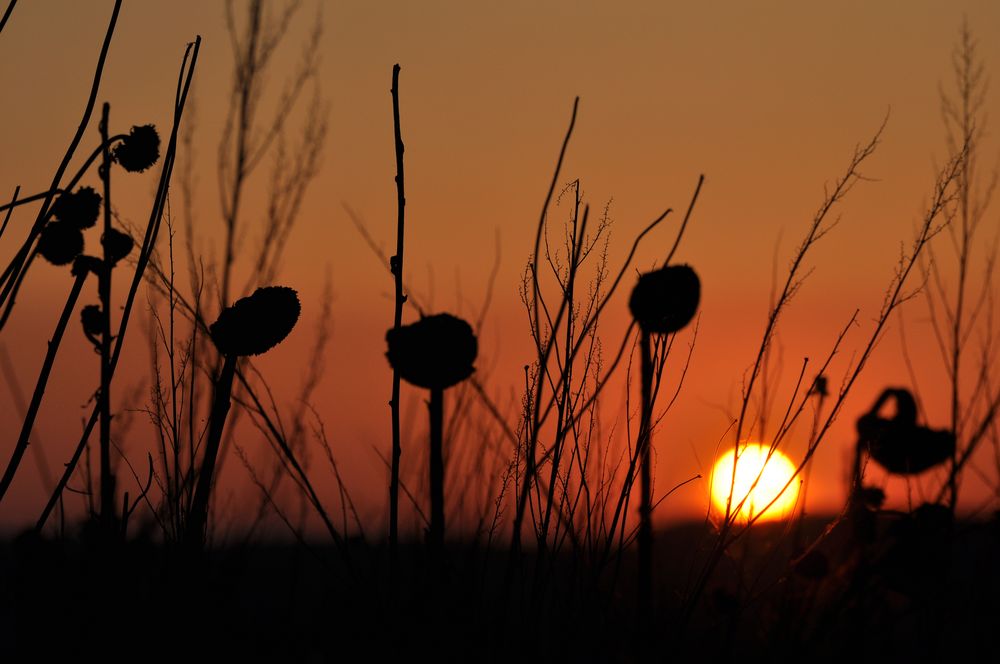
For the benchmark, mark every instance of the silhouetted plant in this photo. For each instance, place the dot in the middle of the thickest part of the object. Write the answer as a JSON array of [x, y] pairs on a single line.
[[899, 444], [663, 302], [60, 242], [139, 150], [251, 326], [435, 353]]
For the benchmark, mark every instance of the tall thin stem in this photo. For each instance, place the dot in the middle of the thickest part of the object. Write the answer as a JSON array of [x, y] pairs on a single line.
[[104, 294], [396, 267], [646, 481], [436, 408]]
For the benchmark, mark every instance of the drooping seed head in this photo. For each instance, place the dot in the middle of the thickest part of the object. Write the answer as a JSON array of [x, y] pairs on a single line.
[[256, 324], [434, 352], [78, 208], [117, 244], [60, 242], [665, 300], [139, 150]]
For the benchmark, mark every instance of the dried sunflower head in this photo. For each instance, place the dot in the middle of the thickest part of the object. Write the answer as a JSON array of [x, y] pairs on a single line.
[[665, 300], [78, 208], [139, 150], [255, 324], [60, 242], [435, 352]]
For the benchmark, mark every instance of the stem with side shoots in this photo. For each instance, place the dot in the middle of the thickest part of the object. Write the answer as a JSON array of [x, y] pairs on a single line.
[[396, 267], [43, 377], [104, 294]]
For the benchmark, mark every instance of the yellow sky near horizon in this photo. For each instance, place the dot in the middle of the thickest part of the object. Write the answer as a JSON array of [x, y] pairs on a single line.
[[766, 99]]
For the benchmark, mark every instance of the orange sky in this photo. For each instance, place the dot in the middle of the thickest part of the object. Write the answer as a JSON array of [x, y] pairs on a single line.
[[766, 99]]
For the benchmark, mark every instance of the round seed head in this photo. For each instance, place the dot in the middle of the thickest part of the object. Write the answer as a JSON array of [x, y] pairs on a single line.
[[139, 150], [60, 242], [665, 300], [256, 324], [78, 208], [435, 352], [117, 244]]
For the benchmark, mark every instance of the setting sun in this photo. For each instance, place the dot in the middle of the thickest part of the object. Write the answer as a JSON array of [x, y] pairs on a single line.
[[759, 480]]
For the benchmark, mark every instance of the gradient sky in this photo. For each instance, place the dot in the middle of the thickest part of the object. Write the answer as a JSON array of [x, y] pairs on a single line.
[[767, 99]]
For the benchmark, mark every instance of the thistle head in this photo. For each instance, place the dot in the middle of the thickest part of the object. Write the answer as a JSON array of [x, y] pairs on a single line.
[[139, 150], [253, 325], [117, 244], [78, 208], [435, 352], [60, 242], [665, 300]]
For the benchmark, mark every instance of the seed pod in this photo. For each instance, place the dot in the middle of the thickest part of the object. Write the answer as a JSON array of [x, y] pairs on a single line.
[[118, 245], [60, 242], [78, 208], [139, 150], [435, 352], [899, 444], [665, 300], [255, 324]]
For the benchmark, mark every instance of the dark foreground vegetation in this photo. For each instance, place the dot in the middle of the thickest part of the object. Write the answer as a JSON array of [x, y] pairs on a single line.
[[538, 537], [909, 593]]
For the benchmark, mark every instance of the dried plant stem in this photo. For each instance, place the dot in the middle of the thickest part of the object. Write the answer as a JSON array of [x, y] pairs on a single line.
[[198, 517], [646, 480], [43, 377], [396, 267], [6, 14], [104, 294], [436, 408]]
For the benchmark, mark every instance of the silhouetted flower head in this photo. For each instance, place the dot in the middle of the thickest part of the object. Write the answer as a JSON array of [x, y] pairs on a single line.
[[60, 242], [256, 324], [665, 300], [118, 245], [435, 352], [78, 208], [899, 444], [139, 150]]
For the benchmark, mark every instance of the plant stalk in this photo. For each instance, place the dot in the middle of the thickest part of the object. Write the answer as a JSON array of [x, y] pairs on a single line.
[[396, 267], [436, 408], [198, 516], [645, 536]]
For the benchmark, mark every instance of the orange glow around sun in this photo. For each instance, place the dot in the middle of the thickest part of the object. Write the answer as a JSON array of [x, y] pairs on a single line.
[[758, 481]]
